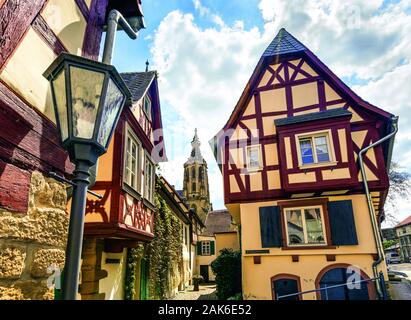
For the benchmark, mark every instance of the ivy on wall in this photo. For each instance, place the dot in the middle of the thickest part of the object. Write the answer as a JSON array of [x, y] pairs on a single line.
[[133, 255], [165, 251], [164, 254]]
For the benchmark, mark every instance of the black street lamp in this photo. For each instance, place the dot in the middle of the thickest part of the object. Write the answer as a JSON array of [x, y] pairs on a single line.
[[88, 97]]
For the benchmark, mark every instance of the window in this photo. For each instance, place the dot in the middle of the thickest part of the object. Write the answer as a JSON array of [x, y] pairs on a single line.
[[305, 226], [132, 169], [314, 149], [149, 179], [193, 187], [147, 106], [253, 158], [205, 248]]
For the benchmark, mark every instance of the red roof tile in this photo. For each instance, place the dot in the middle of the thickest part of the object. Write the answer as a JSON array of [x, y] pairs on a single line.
[[404, 222]]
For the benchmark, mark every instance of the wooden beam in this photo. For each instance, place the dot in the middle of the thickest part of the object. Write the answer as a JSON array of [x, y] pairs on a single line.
[[15, 19], [81, 4], [94, 30], [49, 37]]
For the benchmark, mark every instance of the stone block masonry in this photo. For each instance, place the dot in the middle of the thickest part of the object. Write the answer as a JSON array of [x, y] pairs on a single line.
[[33, 241]]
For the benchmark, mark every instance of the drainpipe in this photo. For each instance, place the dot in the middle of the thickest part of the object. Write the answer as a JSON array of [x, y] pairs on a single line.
[[369, 200], [114, 19]]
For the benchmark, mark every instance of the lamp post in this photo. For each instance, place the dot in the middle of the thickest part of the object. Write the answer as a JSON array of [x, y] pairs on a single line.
[[88, 97]]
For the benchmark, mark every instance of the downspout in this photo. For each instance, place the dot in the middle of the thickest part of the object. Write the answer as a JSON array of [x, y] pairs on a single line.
[[114, 19], [369, 199]]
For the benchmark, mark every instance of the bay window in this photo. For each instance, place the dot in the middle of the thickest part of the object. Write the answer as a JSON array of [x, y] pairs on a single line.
[[132, 172]]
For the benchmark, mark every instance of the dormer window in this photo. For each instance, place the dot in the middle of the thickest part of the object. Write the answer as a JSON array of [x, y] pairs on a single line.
[[147, 106], [314, 149]]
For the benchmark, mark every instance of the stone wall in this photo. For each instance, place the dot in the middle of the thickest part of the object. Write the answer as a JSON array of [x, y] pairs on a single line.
[[32, 242]]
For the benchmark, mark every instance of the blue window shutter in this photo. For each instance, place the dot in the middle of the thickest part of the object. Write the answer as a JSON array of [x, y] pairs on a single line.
[[342, 224], [270, 227], [199, 253]]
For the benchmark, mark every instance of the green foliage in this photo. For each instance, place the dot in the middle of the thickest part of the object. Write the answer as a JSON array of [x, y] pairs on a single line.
[[389, 243], [165, 250], [238, 296], [227, 270], [131, 269]]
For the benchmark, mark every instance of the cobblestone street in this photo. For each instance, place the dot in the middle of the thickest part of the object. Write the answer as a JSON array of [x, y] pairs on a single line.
[[206, 292]]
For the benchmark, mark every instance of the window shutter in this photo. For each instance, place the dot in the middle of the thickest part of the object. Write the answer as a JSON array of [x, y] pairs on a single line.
[[270, 227], [342, 224], [212, 247], [199, 248]]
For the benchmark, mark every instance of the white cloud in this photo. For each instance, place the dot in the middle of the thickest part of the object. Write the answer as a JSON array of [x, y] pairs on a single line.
[[366, 41], [204, 70]]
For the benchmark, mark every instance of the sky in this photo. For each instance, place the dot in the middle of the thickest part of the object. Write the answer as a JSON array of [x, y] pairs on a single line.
[[206, 50]]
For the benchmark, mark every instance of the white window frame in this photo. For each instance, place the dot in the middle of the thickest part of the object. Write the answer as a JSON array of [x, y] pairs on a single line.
[[206, 245], [133, 137], [149, 197], [306, 243], [248, 164], [147, 113], [312, 135]]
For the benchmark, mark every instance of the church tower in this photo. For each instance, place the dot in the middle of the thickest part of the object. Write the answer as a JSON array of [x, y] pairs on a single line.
[[195, 186]]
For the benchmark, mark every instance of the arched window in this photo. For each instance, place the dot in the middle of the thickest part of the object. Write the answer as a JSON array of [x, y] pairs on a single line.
[[340, 274], [201, 173], [193, 172], [193, 187], [285, 284]]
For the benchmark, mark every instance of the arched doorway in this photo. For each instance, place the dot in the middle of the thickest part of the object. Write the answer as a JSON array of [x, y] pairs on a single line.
[[338, 274], [284, 284]]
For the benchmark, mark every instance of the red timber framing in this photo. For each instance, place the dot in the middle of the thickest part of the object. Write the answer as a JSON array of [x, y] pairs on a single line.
[[140, 211], [374, 120], [29, 141]]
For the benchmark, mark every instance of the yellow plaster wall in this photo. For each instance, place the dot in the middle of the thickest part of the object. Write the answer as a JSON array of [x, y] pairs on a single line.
[[250, 108], [342, 173], [342, 137], [305, 95], [226, 240], [256, 278], [271, 154], [274, 181], [256, 183], [273, 100], [302, 177], [113, 284], [330, 94], [206, 260], [23, 72], [67, 22]]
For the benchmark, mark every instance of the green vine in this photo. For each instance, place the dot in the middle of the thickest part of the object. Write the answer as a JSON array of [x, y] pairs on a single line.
[[165, 250], [164, 254], [133, 255]]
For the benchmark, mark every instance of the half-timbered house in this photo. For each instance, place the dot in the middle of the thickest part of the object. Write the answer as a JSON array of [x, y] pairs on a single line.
[[33, 219], [124, 217], [289, 154]]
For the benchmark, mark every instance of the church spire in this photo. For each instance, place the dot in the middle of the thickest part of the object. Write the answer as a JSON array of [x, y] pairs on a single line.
[[195, 155]]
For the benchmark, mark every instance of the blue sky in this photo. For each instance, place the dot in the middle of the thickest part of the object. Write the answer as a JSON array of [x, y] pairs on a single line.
[[205, 51]]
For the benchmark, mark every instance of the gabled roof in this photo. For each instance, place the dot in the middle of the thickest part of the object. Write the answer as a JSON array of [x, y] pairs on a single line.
[[283, 43], [138, 83], [218, 221], [404, 222], [326, 114]]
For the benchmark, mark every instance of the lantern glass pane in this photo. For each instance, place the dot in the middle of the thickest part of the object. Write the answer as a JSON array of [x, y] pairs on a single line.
[[59, 88], [114, 101], [86, 87]]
